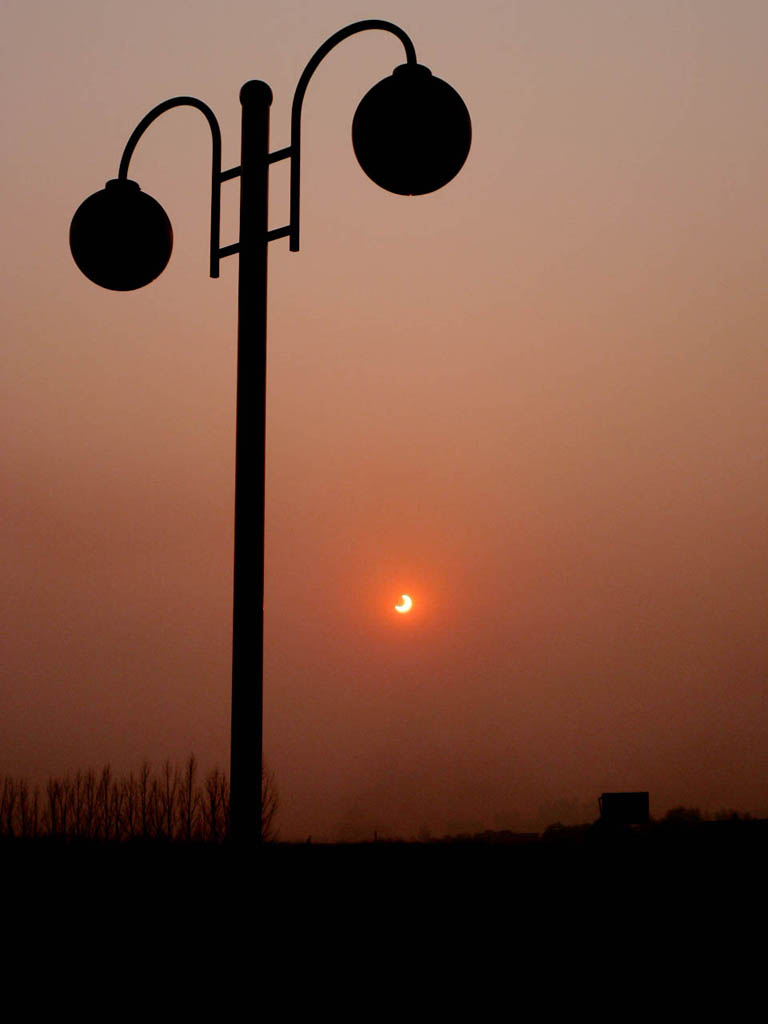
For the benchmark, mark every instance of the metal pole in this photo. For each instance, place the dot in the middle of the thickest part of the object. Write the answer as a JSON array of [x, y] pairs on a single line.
[[248, 613]]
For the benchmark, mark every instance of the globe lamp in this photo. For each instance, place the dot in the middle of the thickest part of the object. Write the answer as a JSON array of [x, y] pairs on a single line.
[[121, 237], [411, 132]]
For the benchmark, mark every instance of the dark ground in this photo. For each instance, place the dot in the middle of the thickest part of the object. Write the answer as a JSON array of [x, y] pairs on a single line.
[[627, 923], [600, 864]]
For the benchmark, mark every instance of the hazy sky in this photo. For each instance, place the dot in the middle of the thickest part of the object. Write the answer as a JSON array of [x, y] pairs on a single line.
[[535, 401]]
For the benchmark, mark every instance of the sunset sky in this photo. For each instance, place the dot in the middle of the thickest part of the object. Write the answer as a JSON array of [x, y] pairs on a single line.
[[534, 401]]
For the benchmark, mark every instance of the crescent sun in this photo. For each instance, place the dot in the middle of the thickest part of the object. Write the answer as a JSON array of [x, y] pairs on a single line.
[[406, 605]]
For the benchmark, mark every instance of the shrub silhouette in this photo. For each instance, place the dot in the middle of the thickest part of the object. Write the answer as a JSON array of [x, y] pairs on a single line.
[[169, 804], [682, 817]]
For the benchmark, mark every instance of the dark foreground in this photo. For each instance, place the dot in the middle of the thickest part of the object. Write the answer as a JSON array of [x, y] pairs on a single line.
[[543, 922], [608, 864]]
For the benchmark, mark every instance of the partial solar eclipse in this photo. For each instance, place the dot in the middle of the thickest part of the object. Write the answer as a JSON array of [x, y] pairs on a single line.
[[405, 606]]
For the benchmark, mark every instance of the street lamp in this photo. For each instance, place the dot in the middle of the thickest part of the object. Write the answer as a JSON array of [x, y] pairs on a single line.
[[411, 134]]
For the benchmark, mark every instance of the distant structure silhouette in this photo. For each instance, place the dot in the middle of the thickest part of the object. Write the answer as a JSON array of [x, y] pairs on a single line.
[[624, 808]]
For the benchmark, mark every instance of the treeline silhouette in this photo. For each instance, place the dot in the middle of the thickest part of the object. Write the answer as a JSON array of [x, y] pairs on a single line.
[[166, 804]]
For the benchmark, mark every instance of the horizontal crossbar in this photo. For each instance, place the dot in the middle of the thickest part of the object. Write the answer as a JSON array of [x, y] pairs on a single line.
[[278, 233]]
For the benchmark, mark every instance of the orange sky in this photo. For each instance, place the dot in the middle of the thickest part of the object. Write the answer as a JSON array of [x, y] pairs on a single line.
[[535, 401]]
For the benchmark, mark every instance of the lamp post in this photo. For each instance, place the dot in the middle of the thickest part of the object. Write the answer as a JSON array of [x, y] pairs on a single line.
[[411, 134]]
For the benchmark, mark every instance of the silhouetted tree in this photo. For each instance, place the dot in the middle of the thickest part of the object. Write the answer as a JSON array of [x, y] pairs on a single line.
[[269, 805], [169, 805], [130, 808], [726, 814], [28, 810], [682, 817], [189, 799], [144, 798], [216, 805]]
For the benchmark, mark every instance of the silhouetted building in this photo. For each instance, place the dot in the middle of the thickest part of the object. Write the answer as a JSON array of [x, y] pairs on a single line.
[[624, 808]]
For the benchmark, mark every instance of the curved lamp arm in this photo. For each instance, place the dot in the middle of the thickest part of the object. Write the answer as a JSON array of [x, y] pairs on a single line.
[[298, 100], [141, 127]]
